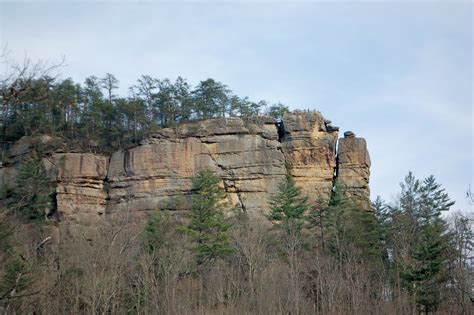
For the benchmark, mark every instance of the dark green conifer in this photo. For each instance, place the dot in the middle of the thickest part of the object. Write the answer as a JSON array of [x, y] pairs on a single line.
[[289, 205], [32, 195], [207, 226]]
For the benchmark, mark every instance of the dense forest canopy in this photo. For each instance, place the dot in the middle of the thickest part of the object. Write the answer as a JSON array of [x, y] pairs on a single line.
[[93, 114]]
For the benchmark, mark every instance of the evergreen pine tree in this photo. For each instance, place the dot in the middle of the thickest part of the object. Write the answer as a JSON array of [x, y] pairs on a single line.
[[211, 99], [351, 230], [207, 226], [421, 257], [317, 217], [429, 274], [289, 207], [277, 110], [156, 231], [32, 196], [289, 210]]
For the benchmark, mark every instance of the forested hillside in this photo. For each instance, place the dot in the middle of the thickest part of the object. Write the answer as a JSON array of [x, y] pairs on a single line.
[[93, 115], [324, 258], [308, 253]]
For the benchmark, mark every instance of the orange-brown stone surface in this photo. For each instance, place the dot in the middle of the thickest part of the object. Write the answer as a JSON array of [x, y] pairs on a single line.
[[353, 169], [250, 156]]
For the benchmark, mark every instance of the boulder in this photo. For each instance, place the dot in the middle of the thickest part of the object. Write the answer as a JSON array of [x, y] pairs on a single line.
[[349, 134]]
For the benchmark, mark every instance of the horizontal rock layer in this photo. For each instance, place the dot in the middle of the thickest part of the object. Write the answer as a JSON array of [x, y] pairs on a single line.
[[251, 157]]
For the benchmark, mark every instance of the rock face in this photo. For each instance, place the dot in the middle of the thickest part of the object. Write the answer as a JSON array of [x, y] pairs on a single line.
[[246, 156], [250, 156], [310, 152], [353, 168], [79, 177]]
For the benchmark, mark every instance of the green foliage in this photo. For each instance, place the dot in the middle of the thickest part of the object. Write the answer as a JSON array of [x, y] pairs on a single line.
[[289, 206], [156, 231], [418, 240], [277, 110], [243, 107], [92, 116], [174, 100], [350, 230], [207, 226], [289, 209], [380, 210], [32, 196], [211, 98], [432, 201], [429, 273], [14, 278], [317, 217]]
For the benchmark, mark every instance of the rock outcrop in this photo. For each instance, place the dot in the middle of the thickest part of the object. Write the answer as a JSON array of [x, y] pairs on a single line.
[[246, 156], [250, 156], [353, 168], [310, 152], [80, 179]]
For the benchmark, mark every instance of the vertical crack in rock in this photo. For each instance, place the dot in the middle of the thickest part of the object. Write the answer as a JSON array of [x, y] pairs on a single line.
[[336, 170], [308, 143], [251, 157], [280, 129], [281, 135], [106, 184]]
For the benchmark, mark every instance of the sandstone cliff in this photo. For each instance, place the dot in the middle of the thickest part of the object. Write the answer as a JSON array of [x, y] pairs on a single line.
[[250, 156]]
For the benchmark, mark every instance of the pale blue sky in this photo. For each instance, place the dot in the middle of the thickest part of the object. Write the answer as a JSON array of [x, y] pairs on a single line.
[[397, 73]]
